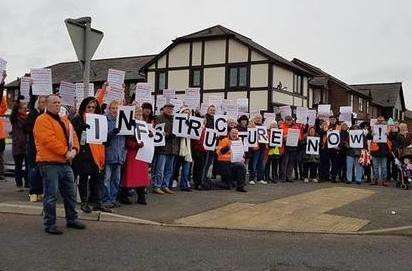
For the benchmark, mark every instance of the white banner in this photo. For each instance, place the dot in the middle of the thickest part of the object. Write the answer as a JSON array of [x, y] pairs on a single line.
[[180, 127], [262, 133], [237, 151], [67, 92], [380, 133], [42, 81], [124, 120], [292, 137], [312, 145], [159, 135], [210, 139], [333, 139], [25, 88], [97, 133], [220, 124], [276, 137]]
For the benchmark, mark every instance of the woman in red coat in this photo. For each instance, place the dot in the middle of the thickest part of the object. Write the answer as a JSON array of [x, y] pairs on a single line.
[[136, 172]]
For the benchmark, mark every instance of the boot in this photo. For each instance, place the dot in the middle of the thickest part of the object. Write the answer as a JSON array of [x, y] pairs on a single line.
[[141, 196]]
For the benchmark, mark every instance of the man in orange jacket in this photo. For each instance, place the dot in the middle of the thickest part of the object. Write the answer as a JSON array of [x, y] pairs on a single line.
[[3, 133], [57, 145]]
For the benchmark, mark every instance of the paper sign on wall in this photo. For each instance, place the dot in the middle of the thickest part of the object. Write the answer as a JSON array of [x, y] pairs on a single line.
[[124, 120], [97, 133]]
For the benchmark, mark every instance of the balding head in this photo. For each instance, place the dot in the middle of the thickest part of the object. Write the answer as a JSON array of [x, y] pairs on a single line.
[[53, 104]]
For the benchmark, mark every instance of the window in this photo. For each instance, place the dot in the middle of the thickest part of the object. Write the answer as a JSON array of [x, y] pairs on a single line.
[[161, 80], [195, 78], [238, 76], [360, 104], [351, 100]]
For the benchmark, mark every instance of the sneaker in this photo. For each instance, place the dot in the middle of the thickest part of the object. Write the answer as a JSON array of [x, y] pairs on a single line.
[[33, 198], [315, 180], [53, 230], [76, 225], [306, 180], [263, 182], [102, 208], [252, 182], [168, 191], [158, 191], [188, 189], [86, 208]]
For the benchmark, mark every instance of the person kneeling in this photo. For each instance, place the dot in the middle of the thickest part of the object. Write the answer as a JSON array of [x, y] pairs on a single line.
[[230, 168]]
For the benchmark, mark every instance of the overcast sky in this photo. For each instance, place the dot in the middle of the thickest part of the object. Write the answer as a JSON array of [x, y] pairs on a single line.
[[356, 41]]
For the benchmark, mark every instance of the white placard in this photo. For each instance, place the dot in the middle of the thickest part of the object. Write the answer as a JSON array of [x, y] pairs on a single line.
[[312, 145], [3, 64], [79, 89], [177, 104], [97, 133], [302, 114], [42, 81], [311, 117], [380, 133], [252, 137], [276, 137], [345, 109], [237, 151], [124, 120], [169, 94], [113, 94], [67, 93], [115, 78], [195, 127], [262, 133], [25, 88], [192, 98], [242, 105], [324, 111], [244, 137], [333, 138], [180, 126], [292, 137], [217, 101], [356, 139], [160, 102], [285, 111], [269, 118], [210, 139], [143, 94], [159, 135], [146, 152], [220, 124]]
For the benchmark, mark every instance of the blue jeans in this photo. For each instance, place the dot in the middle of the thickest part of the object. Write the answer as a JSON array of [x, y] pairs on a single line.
[[185, 175], [379, 168], [353, 162], [258, 168], [164, 170], [58, 177], [112, 173]]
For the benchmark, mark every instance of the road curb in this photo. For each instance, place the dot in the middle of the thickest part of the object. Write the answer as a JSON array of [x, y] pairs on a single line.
[[25, 209]]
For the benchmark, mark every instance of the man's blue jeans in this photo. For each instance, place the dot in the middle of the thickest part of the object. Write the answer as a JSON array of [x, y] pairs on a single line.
[[353, 162], [112, 174], [379, 168], [164, 170], [58, 177]]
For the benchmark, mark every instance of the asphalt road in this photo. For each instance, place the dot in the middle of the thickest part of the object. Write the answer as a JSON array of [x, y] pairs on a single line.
[[116, 246]]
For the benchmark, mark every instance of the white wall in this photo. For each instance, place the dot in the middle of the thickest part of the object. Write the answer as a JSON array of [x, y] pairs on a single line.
[[196, 53], [282, 98], [259, 75], [283, 75], [255, 56], [179, 55], [258, 100], [178, 80], [215, 51], [237, 52], [151, 79], [214, 78]]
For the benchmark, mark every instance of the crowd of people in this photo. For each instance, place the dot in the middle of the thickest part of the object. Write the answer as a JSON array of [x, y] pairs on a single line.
[[56, 155]]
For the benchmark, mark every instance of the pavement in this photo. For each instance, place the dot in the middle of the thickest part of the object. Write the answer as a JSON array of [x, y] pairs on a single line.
[[124, 246], [294, 207]]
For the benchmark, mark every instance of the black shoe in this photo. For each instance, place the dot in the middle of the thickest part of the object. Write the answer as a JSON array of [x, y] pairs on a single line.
[[241, 189], [126, 200], [141, 201], [102, 209], [53, 230], [86, 208], [187, 189], [76, 225]]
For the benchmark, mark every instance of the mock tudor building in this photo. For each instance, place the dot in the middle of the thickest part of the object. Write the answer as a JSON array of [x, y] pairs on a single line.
[[389, 96], [224, 63], [327, 89]]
